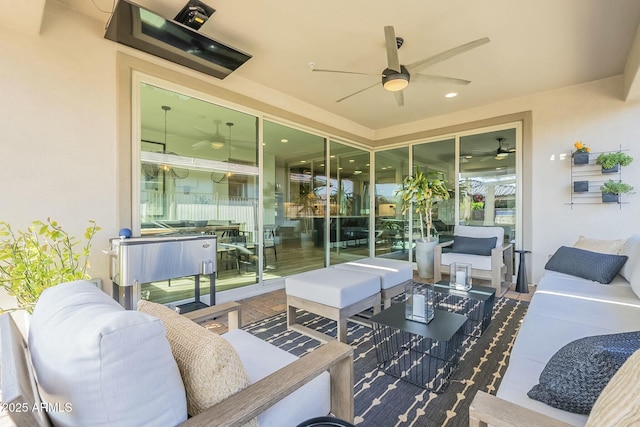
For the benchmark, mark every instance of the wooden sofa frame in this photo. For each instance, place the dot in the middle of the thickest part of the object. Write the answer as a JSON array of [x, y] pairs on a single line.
[[487, 409], [19, 389]]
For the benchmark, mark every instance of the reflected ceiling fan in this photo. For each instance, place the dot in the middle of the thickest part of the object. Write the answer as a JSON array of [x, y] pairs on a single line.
[[500, 153], [216, 140], [396, 77]]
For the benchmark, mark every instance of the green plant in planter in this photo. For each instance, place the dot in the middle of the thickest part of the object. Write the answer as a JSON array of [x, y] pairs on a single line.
[[41, 257], [609, 160], [422, 190], [615, 187]]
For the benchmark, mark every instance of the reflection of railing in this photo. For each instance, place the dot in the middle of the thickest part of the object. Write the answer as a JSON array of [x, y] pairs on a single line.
[[191, 207]]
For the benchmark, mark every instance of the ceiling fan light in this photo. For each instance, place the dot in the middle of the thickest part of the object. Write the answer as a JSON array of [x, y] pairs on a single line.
[[502, 155], [394, 81], [216, 145]]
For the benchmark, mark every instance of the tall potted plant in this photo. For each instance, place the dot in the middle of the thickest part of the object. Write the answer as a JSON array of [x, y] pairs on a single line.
[[41, 257], [421, 191]]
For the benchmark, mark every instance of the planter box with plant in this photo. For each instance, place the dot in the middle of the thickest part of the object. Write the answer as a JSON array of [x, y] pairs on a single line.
[[611, 162], [422, 190], [611, 191], [41, 257], [581, 155]]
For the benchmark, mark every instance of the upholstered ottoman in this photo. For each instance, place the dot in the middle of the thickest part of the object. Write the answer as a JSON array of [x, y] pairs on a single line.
[[333, 293], [394, 275]]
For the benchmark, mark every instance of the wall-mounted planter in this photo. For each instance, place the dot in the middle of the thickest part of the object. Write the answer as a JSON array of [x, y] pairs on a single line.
[[614, 169], [610, 198], [580, 158], [580, 186]]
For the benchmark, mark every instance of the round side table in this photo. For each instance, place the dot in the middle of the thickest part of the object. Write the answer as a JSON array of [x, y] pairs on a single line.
[[521, 283]]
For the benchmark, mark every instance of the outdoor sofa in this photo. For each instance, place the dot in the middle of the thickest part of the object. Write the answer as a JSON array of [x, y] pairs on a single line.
[[566, 310]]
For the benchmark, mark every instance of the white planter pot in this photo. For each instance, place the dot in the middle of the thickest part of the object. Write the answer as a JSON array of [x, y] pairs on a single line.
[[424, 257]]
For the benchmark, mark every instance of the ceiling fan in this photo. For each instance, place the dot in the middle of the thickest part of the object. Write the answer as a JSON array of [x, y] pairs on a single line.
[[500, 153], [396, 77]]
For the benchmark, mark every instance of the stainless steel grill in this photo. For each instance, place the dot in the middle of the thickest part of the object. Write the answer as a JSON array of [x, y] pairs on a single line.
[[140, 260]]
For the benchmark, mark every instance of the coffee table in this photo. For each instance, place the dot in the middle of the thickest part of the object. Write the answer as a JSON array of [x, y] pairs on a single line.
[[423, 354], [476, 304]]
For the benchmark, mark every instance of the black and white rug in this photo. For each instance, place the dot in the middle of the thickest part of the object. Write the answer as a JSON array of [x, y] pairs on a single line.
[[382, 400]]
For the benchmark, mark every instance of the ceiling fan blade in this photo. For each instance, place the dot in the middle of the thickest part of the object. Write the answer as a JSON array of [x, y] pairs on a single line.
[[399, 98], [204, 132], [392, 48], [320, 70], [443, 79], [419, 65], [200, 144], [360, 91]]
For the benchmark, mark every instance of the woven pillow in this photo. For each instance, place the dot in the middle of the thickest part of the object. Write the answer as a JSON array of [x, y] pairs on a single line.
[[602, 246], [619, 401], [575, 376], [210, 367], [589, 265]]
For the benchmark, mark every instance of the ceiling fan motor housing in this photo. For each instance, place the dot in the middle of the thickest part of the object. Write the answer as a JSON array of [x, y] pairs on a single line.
[[394, 81]]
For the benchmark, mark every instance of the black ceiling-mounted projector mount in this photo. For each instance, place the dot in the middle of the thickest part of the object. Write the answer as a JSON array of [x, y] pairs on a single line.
[[194, 14]]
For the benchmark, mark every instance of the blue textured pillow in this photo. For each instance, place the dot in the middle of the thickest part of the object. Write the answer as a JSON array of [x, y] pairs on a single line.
[[473, 245], [589, 265], [575, 376]]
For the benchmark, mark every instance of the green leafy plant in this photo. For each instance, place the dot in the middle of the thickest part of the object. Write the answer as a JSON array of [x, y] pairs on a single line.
[[41, 257], [615, 187], [609, 160], [422, 190]]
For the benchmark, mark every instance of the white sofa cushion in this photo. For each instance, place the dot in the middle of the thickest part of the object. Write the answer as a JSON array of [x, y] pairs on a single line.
[[391, 272], [333, 287], [211, 369], [261, 359], [478, 262], [598, 245], [103, 360]]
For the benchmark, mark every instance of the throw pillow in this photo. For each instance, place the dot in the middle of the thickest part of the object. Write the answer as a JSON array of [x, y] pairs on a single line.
[[210, 367], [619, 401], [602, 246], [114, 366], [586, 264], [575, 376], [473, 245]]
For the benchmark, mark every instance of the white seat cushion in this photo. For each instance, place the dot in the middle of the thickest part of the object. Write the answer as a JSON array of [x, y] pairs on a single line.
[[391, 272], [114, 366], [334, 287], [261, 359], [478, 262], [477, 231]]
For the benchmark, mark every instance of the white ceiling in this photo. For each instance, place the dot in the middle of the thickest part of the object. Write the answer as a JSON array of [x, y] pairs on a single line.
[[535, 46]]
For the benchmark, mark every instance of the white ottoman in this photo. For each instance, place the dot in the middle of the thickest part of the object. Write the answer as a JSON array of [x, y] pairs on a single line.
[[333, 293], [394, 275]]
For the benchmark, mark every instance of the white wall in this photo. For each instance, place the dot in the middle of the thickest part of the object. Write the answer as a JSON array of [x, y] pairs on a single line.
[[58, 138]]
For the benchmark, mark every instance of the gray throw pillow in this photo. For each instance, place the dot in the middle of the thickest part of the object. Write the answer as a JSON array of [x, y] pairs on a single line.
[[473, 245], [575, 376], [589, 265]]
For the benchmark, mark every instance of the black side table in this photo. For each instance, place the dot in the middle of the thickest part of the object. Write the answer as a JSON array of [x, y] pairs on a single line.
[[521, 284]]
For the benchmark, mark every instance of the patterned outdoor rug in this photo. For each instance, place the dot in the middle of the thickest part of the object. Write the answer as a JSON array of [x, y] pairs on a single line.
[[385, 401]]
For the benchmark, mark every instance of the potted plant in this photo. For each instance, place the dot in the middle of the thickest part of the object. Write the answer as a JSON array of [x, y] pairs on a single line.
[[611, 162], [581, 155], [611, 191], [41, 257], [422, 190]]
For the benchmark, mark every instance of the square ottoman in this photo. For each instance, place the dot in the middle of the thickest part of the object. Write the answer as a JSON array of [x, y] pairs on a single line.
[[333, 293], [394, 275]]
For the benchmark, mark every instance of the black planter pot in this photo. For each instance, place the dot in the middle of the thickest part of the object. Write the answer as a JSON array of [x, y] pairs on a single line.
[[580, 186], [580, 158], [610, 198], [614, 169]]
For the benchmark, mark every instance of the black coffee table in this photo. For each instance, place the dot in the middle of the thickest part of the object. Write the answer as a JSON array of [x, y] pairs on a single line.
[[423, 354], [476, 304]]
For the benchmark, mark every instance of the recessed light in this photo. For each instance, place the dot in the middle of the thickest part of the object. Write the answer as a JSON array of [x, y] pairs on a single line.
[[357, 172], [321, 165], [468, 157], [351, 160], [303, 161], [339, 169], [284, 140], [451, 95], [333, 157], [367, 164]]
